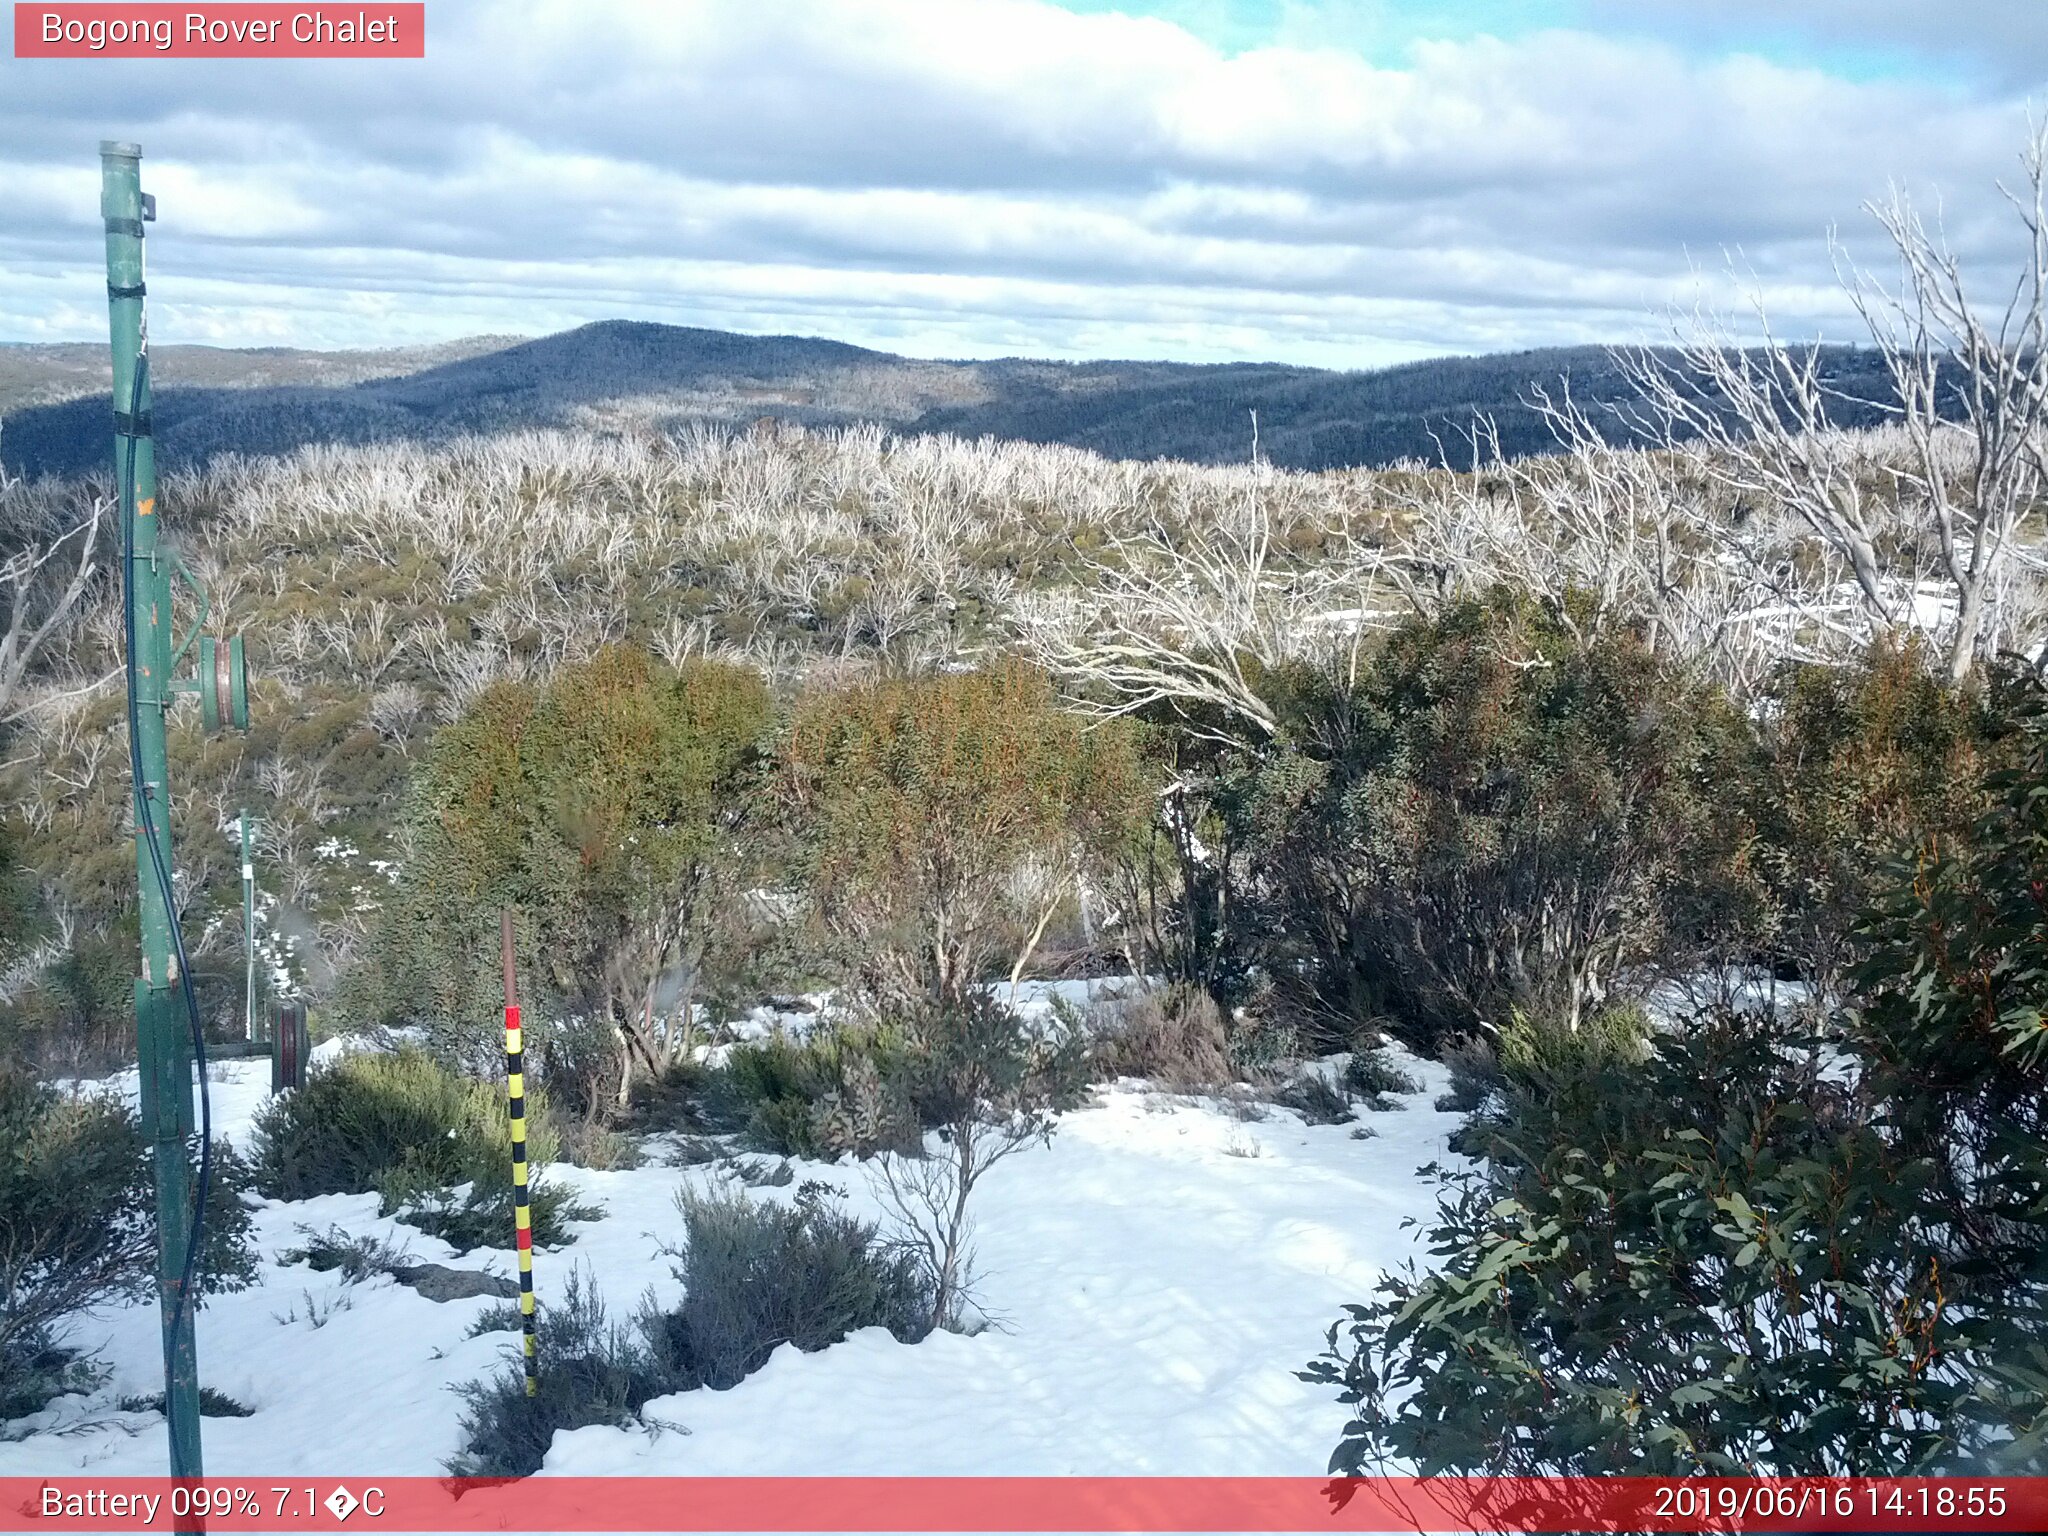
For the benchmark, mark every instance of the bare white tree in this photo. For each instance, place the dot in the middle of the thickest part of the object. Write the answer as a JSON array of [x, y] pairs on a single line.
[[1187, 615], [43, 580], [1762, 413], [1984, 368], [1970, 388]]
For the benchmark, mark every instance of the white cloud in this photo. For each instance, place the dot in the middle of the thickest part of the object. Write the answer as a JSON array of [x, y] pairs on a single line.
[[969, 177]]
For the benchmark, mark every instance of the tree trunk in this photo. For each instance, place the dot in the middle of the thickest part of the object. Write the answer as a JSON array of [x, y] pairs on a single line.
[[1962, 653]]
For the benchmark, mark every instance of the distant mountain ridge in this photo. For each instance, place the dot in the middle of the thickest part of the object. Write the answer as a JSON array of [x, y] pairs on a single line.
[[614, 373]]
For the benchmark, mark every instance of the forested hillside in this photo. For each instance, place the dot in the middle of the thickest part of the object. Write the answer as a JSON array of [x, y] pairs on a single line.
[[620, 373]]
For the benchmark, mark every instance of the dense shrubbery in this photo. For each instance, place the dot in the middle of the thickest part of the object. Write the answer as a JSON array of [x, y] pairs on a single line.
[[1499, 814], [1735, 1256], [602, 806], [77, 1229], [847, 1087], [1707, 1263], [407, 1129], [755, 1276], [1861, 760], [1489, 837], [1951, 1018]]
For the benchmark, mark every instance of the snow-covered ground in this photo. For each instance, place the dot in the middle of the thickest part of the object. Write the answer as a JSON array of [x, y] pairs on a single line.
[[1161, 1270]]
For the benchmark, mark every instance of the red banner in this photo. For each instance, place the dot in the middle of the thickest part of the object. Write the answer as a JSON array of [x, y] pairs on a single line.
[[1019, 1504], [116, 31]]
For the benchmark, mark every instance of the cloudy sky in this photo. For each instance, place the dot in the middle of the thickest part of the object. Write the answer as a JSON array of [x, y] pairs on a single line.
[[1347, 183]]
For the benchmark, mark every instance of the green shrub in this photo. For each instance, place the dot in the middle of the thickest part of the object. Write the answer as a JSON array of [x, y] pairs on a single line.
[[756, 1276], [918, 804], [1721, 1259], [78, 1231], [1500, 812], [1475, 1071], [592, 1371], [1862, 760], [34, 1372], [484, 1217], [357, 1258], [1707, 1263], [843, 1088], [212, 1405], [407, 1129], [1371, 1075], [1539, 1056], [610, 805], [1951, 1016], [77, 1016], [499, 1317], [1265, 1038]]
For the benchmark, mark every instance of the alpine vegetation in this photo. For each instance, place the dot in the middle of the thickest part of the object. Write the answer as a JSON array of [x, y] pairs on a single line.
[[990, 918]]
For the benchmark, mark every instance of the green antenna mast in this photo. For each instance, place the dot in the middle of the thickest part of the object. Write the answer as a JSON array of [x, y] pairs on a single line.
[[166, 1016]]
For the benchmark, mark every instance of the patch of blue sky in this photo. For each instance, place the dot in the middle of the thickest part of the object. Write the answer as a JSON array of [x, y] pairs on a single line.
[[1384, 30]]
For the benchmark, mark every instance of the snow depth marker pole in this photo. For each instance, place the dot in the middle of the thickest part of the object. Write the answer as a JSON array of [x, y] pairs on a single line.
[[515, 1103]]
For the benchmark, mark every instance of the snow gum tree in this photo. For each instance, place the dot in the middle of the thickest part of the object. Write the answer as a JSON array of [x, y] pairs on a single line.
[[945, 821]]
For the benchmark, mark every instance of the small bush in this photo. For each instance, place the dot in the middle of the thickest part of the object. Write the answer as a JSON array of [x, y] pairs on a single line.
[[1173, 1037], [695, 1151], [373, 1114], [358, 1258], [1475, 1074], [1261, 1043], [1371, 1075], [212, 1405], [844, 1088], [1539, 1054], [77, 1227], [405, 1128], [756, 1276], [483, 1217], [592, 1371], [498, 1317], [1311, 1097], [34, 1372], [589, 1144], [991, 1086]]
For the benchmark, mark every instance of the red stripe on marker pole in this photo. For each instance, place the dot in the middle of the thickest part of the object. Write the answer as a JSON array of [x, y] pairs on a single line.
[[261, 31]]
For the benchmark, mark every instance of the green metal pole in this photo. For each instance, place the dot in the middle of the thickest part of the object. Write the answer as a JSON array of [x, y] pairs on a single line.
[[163, 1045]]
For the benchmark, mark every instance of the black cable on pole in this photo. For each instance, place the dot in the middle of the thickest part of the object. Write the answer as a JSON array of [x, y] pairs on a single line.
[[146, 828]]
